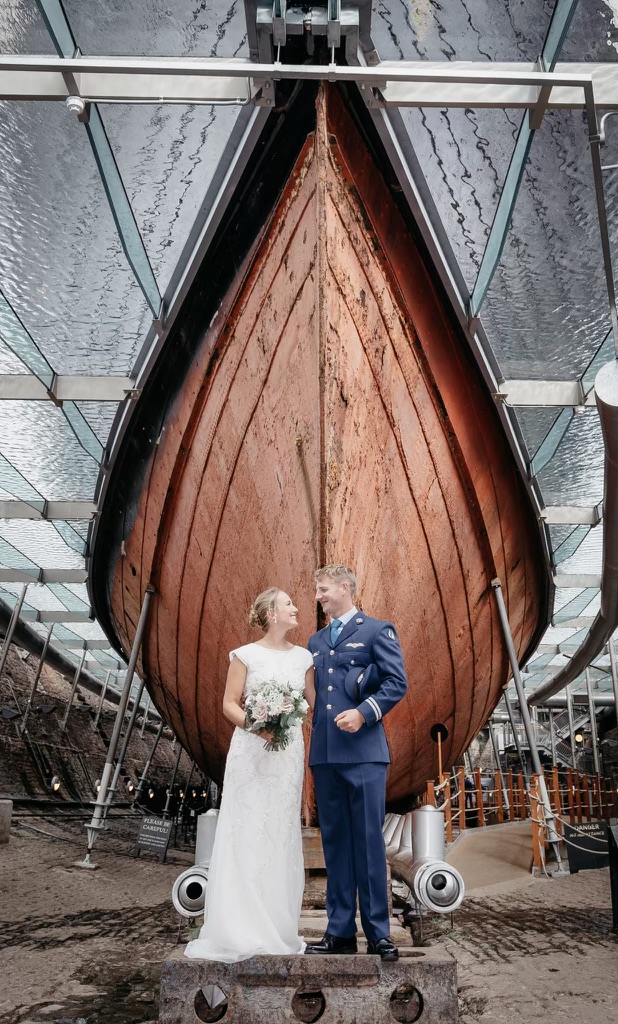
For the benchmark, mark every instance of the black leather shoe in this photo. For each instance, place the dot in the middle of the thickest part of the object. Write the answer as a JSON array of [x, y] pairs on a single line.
[[333, 944], [385, 948]]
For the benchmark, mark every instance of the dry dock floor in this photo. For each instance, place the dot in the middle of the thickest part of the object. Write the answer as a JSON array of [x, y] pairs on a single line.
[[82, 947]]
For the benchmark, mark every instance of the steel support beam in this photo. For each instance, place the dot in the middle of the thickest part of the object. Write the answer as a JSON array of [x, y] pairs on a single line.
[[111, 792], [593, 724], [153, 749], [101, 699], [614, 671], [44, 576], [525, 715], [78, 671], [24, 722], [30, 388], [34, 615], [14, 509], [399, 83], [575, 580], [494, 743], [546, 394], [572, 515], [569, 707], [96, 822]]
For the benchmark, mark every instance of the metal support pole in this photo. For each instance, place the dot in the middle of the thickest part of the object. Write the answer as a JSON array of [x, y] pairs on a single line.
[[96, 824], [511, 714], [182, 802], [123, 750], [554, 838], [144, 774], [9, 636], [612, 662], [65, 719], [172, 781], [39, 669], [569, 704], [95, 724], [494, 743], [593, 725], [552, 737], [146, 712]]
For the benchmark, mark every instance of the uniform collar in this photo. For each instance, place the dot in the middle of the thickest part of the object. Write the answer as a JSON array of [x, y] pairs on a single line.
[[345, 618], [352, 620]]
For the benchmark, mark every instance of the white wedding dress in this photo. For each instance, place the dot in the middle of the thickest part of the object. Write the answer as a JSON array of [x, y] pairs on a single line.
[[256, 876]]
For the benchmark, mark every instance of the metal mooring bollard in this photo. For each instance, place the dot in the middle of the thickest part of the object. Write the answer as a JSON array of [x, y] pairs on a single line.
[[421, 986]]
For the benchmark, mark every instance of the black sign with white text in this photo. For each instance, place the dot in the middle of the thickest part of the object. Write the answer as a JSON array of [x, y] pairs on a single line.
[[590, 847], [154, 835]]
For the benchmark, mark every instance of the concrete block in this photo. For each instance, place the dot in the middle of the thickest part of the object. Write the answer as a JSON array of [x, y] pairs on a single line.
[[421, 986], [6, 812]]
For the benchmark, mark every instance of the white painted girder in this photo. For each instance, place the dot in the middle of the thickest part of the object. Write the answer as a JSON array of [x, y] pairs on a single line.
[[25, 386], [560, 394], [14, 509], [397, 83], [44, 576]]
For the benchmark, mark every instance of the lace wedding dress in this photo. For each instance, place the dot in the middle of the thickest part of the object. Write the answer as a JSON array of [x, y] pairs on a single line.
[[256, 876]]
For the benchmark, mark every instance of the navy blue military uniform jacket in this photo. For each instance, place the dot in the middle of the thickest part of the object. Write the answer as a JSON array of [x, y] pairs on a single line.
[[364, 669]]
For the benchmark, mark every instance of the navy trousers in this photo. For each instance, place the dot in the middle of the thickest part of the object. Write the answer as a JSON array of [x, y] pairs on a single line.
[[350, 799]]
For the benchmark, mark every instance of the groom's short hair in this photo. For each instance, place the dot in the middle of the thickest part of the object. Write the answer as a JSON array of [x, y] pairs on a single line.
[[340, 574]]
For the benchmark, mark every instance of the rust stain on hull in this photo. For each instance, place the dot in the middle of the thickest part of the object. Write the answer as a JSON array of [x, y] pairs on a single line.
[[330, 414]]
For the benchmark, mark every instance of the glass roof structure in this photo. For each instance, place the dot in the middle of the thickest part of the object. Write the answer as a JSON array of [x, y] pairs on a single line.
[[121, 124]]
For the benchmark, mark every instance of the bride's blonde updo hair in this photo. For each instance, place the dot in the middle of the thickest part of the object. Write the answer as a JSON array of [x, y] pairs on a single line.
[[263, 608]]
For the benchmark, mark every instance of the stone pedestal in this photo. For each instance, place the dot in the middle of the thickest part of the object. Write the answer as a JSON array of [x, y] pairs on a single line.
[[6, 811], [421, 986]]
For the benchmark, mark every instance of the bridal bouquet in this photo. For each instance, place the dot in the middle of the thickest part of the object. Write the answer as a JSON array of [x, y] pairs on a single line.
[[275, 706]]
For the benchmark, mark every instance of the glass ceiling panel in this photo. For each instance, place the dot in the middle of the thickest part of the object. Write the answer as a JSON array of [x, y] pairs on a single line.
[[39, 443], [154, 28], [99, 416], [22, 29], [167, 156], [37, 596], [42, 543], [593, 35], [546, 308], [575, 474], [589, 555], [62, 266], [535, 425], [460, 30], [464, 155]]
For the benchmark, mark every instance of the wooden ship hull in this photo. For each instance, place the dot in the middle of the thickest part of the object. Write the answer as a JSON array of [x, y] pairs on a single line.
[[329, 412]]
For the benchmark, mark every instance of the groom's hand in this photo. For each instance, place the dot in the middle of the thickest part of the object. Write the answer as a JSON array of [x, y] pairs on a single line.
[[349, 721]]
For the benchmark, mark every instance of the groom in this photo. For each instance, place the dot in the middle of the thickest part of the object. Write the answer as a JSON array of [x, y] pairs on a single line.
[[359, 677]]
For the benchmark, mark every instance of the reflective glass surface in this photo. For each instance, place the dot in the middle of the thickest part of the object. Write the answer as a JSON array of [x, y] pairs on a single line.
[[22, 29], [460, 30], [167, 156], [62, 266], [153, 28]]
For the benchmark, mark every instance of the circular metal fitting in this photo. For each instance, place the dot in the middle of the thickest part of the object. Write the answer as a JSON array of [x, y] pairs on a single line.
[[189, 892]]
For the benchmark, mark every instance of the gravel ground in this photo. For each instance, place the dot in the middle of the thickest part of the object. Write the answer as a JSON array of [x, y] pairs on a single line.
[[85, 947]]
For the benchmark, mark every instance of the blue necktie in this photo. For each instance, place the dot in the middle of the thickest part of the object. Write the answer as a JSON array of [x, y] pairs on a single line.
[[335, 626]]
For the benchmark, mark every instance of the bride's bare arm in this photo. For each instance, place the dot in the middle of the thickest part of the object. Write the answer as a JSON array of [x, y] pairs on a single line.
[[310, 687], [234, 686]]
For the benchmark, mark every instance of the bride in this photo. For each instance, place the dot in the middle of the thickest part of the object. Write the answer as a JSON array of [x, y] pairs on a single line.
[[256, 876]]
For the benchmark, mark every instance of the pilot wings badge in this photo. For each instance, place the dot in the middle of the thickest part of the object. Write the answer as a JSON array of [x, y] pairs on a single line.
[[355, 645]]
